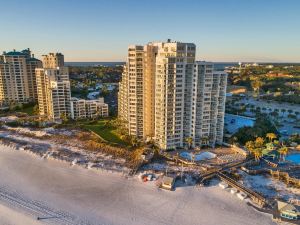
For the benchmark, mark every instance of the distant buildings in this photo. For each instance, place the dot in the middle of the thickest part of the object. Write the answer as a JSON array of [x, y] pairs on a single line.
[[25, 79], [165, 95], [17, 77], [234, 89]]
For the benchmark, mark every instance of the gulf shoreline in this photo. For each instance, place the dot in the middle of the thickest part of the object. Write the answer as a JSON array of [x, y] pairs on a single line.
[[100, 197]]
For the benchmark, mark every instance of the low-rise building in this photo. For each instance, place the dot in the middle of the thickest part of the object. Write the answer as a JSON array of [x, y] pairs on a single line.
[[168, 183], [81, 108], [288, 211], [234, 89]]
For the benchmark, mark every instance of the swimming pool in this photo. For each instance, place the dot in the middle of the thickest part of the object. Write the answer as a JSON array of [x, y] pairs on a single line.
[[235, 122], [294, 157]]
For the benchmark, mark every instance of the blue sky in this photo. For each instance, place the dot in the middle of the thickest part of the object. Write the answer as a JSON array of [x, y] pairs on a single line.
[[97, 30]]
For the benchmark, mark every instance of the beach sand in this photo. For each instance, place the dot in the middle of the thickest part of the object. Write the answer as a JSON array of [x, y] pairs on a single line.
[[9, 216], [82, 196]]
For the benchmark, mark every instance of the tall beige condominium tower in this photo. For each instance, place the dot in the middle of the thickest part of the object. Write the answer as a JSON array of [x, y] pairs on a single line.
[[53, 60], [54, 92], [17, 77], [131, 92], [180, 98]]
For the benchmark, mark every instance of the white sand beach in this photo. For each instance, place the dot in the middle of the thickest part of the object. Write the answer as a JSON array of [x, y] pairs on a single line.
[[9, 216], [31, 187]]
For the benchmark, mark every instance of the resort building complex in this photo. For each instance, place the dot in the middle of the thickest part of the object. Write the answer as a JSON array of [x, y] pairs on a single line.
[[54, 92], [17, 77], [81, 108], [168, 96], [25, 79]]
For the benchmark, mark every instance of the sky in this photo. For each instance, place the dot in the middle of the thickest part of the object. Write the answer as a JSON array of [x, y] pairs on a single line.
[[98, 30]]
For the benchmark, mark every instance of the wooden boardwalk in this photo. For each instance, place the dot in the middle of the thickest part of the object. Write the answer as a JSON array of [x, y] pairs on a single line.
[[256, 197]]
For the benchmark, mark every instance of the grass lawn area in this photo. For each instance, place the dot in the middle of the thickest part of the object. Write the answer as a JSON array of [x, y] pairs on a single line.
[[28, 110], [107, 133]]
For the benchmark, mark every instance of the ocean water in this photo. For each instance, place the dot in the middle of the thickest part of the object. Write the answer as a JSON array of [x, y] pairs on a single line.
[[86, 64], [217, 65]]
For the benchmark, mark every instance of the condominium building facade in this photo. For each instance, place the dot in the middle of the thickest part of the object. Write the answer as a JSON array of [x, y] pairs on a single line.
[[131, 91], [17, 77], [54, 93], [53, 60], [91, 109], [168, 96]]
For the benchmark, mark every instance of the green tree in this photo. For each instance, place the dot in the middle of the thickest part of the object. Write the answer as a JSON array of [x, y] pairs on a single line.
[[283, 151], [259, 142], [271, 136], [257, 153], [205, 140], [63, 117], [134, 141], [35, 110], [256, 85], [189, 140], [250, 145]]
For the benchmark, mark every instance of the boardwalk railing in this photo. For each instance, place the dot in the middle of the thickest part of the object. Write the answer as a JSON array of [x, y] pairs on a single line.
[[256, 197]]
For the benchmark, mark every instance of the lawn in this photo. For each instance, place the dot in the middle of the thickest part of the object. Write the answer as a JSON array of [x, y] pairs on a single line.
[[26, 109], [107, 133]]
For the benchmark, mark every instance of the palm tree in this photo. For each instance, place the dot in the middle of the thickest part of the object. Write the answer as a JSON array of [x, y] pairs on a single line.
[[256, 85], [259, 142], [250, 145], [189, 140], [204, 140], [63, 117], [283, 151], [276, 142], [134, 141], [193, 157], [257, 153], [271, 136]]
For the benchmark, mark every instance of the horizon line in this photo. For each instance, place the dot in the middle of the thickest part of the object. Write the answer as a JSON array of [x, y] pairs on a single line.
[[196, 60]]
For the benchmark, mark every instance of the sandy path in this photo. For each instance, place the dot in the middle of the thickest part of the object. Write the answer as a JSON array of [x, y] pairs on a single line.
[[93, 197]]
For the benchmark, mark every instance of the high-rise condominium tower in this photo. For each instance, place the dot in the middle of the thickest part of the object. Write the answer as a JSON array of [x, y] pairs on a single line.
[[54, 92], [53, 60], [17, 77], [53, 87], [164, 94]]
